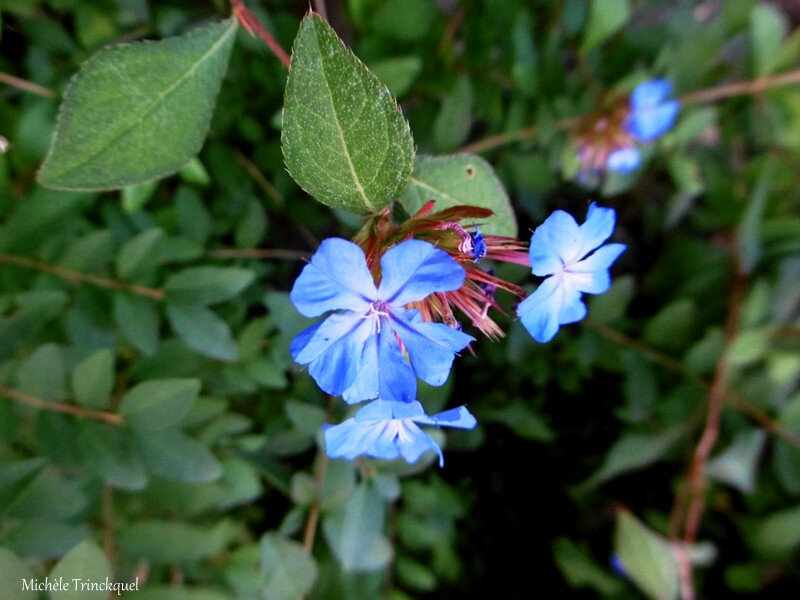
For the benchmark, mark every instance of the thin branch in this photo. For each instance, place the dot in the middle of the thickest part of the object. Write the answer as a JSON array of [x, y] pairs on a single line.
[[716, 402], [275, 253], [731, 398], [313, 513], [256, 29], [720, 92], [262, 182], [76, 277], [70, 409], [107, 517], [26, 86]]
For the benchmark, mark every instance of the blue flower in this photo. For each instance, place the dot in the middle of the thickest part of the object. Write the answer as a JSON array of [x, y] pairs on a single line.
[[356, 352], [571, 255], [479, 248], [389, 430], [653, 113], [624, 160]]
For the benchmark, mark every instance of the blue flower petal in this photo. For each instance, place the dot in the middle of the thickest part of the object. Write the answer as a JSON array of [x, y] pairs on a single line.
[[624, 160], [351, 439], [333, 350], [412, 270], [649, 123], [379, 410], [553, 303], [597, 228], [416, 443], [455, 417], [591, 274], [431, 346], [650, 93], [337, 277], [555, 243]]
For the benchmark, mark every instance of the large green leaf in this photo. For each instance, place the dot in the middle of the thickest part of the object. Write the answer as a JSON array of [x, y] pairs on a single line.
[[136, 112], [456, 180], [344, 138], [646, 558], [86, 562]]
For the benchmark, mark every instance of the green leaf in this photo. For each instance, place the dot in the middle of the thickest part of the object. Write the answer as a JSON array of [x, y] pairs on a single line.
[[354, 532], [134, 197], [171, 592], [93, 379], [172, 455], [13, 571], [523, 420], [42, 373], [203, 330], [404, 20], [137, 319], [778, 535], [454, 119], [207, 285], [137, 112], [86, 562], [344, 138], [138, 256], [107, 452], [578, 568], [159, 403], [646, 557], [768, 27], [398, 73], [287, 571], [461, 179], [606, 17], [167, 542], [738, 464], [635, 451], [308, 418], [14, 477]]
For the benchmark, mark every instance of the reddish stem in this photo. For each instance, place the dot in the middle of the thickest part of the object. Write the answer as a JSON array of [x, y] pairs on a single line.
[[255, 28]]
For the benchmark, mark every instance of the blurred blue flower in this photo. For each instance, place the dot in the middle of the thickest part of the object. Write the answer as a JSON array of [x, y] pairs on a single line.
[[572, 256], [653, 112], [356, 351], [624, 160], [385, 429]]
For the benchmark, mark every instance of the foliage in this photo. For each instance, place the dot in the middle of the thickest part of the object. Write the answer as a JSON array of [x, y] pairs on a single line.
[[157, 197]]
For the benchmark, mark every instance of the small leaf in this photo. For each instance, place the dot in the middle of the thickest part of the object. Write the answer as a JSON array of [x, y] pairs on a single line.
[[578, 568], [172, 455], [106, 451], [523, 420], [308, 418], [738, 464], [462, 179], [203, 331], [167, 542], [42, 373], [139, 255], [606, 17], [778, 535], [287, 571], [93, 379], [354, 532], [137, 319], [344, 138], [454, 119], [134, 197], [159, 403], [398, 73], [13, 571], [768, 27], [137, 112], [207, 285], [86, 562], [646, 557]]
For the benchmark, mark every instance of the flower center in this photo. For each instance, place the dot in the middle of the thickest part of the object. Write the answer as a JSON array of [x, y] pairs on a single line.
[[398, 431], [377, 310]]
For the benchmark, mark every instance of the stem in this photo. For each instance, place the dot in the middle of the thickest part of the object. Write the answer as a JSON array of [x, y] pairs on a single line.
[[70, 409], [313, 514], [255, 28], [276, 253], [720, 92], [716, 401], [26, 86], [260, 179], [319, 7], [76, 277], [107, 516]]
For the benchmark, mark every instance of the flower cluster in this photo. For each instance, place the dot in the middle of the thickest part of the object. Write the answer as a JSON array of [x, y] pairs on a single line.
[[610, 141], [391, 296]]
